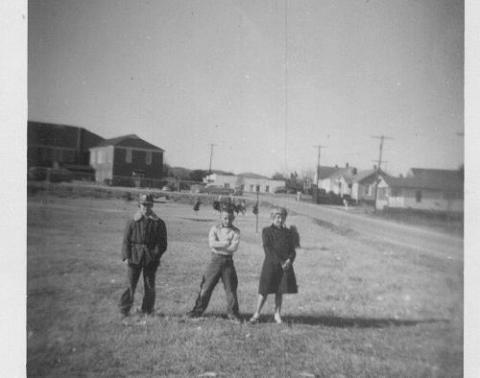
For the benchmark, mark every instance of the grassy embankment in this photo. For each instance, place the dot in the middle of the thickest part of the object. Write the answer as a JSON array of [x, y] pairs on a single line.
[[364, 309]]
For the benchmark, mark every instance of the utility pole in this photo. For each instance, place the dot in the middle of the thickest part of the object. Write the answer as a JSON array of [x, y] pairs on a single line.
[[319, 148], [379, 164], [211, 154], [285, 88]]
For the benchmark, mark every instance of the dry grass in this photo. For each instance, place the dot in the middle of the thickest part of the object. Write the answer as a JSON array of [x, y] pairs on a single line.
[[364, 309]]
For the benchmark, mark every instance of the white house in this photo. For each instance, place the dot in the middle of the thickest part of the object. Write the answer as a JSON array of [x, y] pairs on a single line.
[[364, 184], [247, 182], [336, 180], [424, 189]]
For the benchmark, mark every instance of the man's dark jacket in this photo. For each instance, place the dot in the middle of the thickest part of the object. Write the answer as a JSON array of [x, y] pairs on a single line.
[[145, 238]]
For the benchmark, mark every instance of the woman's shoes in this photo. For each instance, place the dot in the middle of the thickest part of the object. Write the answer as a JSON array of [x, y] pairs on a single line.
[[254, 319]]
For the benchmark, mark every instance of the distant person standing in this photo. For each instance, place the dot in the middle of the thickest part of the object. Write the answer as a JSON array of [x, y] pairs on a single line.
[[223, 240], [144, 242], [196, 205], [277, 276]]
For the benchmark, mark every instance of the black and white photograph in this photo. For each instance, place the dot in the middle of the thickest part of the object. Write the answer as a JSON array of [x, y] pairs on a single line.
[[240, 188]]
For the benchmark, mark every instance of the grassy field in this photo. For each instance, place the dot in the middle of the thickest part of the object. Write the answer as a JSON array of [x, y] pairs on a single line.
[[364, 309]]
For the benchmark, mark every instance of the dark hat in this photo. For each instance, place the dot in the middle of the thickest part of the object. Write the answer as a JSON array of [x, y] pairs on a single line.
[[145, 199]]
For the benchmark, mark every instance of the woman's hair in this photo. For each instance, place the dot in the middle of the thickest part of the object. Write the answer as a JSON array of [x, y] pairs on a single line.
[[278, 210]]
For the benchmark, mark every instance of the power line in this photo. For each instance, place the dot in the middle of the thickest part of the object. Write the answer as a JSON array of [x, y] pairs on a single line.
[[382, 139], [285, 87]]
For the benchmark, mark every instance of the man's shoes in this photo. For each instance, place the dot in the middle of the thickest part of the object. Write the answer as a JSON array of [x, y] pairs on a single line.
[[193, 314], [139, 311], [277, 319]]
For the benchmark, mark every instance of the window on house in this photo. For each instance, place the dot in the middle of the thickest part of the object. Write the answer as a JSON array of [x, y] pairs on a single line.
[[382, 193], [226, 185], [267, 188], [43, 153], [418, 196], [110, 156], [252, 188], [148, 158], [58, 155], [101, 157], [128, 155], [92, 157]]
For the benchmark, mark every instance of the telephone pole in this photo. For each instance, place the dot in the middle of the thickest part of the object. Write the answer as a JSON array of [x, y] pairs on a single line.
[[211, 154], [319, 149], [379, 164]]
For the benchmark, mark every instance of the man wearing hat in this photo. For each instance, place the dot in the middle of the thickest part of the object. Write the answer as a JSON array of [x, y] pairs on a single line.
[[144, 242]]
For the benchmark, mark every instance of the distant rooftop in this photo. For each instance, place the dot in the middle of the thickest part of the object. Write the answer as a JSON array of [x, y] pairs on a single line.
[[435, 179], [130, 140], [253, 175]]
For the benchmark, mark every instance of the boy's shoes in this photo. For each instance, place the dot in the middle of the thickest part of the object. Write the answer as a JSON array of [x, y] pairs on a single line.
[[277, 319]]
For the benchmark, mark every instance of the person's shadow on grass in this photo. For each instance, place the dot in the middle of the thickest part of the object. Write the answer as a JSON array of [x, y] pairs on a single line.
[[324, 320], [346, 322]]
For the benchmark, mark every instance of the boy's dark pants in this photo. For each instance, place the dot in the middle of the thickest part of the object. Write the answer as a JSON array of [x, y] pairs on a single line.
[[134, 270], [219, 267]]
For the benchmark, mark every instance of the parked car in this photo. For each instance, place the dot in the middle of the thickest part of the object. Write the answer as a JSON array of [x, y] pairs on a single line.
[[283, 189]]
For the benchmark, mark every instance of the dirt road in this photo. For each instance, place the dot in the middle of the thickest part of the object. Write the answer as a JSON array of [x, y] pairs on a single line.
[[415, 238]]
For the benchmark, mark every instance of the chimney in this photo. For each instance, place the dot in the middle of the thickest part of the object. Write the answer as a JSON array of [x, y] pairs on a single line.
[[346, 165]]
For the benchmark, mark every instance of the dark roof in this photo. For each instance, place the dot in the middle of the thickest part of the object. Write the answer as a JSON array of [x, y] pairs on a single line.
[[433, 179], [220, 172], [130, 140], [325, 172], [52, 134], [367, 174], [346, 173]]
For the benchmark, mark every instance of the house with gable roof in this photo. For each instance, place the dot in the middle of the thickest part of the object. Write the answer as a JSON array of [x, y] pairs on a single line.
[[363, 184], [438, 190], [336, 180], [127, 159]]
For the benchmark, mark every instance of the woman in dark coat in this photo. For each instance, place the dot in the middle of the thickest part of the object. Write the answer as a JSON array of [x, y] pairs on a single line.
[[278, 276]]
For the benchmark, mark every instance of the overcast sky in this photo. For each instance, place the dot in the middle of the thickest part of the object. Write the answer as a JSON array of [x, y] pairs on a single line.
[[262, 85]]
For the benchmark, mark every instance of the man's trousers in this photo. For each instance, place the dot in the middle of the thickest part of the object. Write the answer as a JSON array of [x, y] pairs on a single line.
[[134, 270]]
